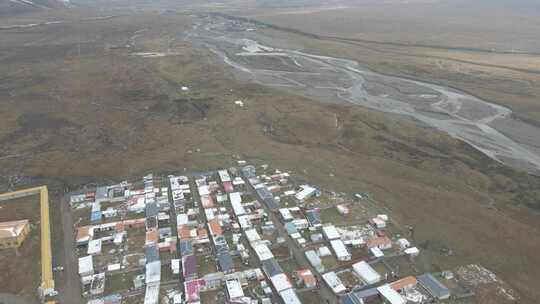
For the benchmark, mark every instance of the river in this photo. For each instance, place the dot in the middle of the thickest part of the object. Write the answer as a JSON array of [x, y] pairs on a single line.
[[481, 124]]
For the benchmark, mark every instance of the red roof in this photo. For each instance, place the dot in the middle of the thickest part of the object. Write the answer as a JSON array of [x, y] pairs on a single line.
[[403, 283], [228, 186], [192, 289], [378, 241], [307, 276], [202, 233], [215, 228], [207, 201], [89, 195], [119, 227], [83, 232], [152, 237], [184, 232]]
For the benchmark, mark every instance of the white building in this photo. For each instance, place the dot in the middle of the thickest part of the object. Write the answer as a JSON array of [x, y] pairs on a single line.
[[151, 295], [376, 252], [153, 272], [289, 296], [236, 202], [340, 250], [412, 251], [314, 260], [286, 214], [403, 243], [324, 251], [330, 232], [305, 193], [390, 295], [86, 266], [262, 251], [252, 235], [94, 247], [281, 282], [301, 224], [366, 273], [175, 266], [333, 281], [224, 176], [234, 289], [378, 222]]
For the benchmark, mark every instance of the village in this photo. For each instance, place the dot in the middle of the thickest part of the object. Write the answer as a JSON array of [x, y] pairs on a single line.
[[250, 234]]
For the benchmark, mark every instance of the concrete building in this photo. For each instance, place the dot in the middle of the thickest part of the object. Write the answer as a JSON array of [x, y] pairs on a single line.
[[330, 232], [366, 273], [390, 295], [333, 281], [306, 193], [340, 250], [314, 260], [13, 233], [434, 286]]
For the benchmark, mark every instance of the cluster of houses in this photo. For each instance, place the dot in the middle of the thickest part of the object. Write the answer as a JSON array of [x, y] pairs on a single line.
[[204, 231], [119, 213], [217, 234]]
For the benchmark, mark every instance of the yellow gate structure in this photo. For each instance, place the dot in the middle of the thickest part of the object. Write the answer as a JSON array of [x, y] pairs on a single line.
[[47, 281]]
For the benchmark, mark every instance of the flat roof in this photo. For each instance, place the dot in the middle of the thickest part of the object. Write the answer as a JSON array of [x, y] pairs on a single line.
[[12, 228], [234, 289], [271, 267], [334, 282], [252, 235], [189, 265], [151, 296], [390, 294], [281, 282], [330, 232], [434, 286], [86, 264], [225, 261], [289, 296], [339, 248], [263, 252], [94, 247], [236, 203], [153, 272], [366, 272]]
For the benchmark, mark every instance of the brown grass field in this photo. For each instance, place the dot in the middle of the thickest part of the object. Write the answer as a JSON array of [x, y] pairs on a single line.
[[21, 271]]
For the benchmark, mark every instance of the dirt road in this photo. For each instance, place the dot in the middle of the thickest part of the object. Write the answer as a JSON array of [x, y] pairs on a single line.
[[70, 292]]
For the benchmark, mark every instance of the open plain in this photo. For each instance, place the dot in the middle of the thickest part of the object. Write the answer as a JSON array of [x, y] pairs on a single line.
[[92, 94]]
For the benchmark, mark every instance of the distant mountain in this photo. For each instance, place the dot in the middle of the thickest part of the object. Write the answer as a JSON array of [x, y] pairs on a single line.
[[517, 5], [13, 7]]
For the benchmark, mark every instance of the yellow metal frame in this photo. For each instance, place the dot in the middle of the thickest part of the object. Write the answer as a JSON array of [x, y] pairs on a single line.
[[47, 280]]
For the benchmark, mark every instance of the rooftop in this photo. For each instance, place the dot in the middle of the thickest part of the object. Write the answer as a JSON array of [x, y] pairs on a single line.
[[12, 228]]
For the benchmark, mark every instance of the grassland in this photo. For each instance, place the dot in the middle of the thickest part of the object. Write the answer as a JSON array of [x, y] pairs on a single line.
[[76, 107], [21, 273]]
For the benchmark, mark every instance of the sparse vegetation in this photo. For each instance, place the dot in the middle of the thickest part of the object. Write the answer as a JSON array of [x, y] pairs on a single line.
[[76, 107]]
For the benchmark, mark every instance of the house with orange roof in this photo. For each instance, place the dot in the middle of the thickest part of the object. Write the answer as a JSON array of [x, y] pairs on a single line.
[[184, 232], [306, 277], [84, 235], [404, 283], [152, 237], [214, 228], [382, 242]]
